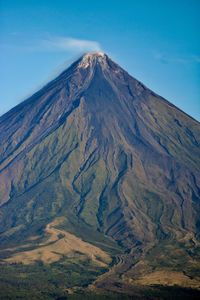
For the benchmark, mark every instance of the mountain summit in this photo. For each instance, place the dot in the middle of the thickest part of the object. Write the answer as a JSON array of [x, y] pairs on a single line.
[[97, 164]]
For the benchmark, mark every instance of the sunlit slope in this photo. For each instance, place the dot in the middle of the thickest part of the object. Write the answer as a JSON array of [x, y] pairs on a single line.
[[116, 162]]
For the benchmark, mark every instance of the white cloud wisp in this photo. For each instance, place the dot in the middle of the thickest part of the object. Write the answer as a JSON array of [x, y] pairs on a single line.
[[60, 43], [176, 59]]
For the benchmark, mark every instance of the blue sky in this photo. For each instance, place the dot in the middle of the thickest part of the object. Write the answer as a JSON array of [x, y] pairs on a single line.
[[157, 42]]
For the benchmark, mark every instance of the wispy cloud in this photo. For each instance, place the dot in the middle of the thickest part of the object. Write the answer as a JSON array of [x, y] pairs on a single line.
[[52, 43], [60, 43], [164, 58], [196, 58]]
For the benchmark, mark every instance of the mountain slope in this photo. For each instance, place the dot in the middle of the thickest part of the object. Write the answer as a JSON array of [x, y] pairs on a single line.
[[109, 161]]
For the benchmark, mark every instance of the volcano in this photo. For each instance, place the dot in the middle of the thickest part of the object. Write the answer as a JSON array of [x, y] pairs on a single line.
[[99, 180]]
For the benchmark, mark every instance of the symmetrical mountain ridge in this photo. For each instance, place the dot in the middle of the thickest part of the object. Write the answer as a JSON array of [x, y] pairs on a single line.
[[97, 154]]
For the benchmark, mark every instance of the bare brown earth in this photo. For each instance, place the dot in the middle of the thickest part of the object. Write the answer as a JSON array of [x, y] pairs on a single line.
[[168, 278], [60, 243]]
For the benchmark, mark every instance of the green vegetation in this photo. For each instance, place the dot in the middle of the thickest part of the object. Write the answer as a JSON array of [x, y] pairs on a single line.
[[175, 256], [43, 281], [69, 281]]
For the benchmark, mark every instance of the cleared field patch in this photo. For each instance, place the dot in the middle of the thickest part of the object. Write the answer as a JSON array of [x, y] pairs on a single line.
[[168, 278], [61, 243]]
